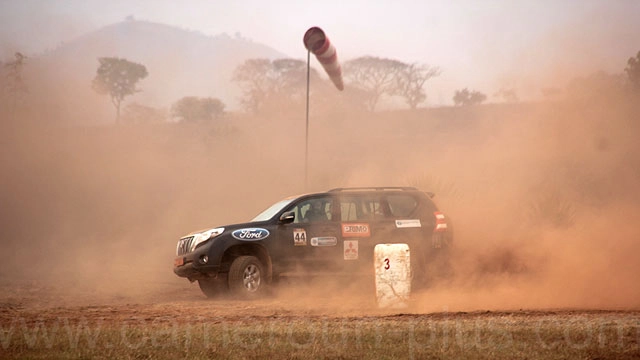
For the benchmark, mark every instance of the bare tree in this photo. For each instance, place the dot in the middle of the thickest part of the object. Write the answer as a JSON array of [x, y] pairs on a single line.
[[375, 76], [253, 78], [410, 82], [118, 78], [290, 76], [263, 81]]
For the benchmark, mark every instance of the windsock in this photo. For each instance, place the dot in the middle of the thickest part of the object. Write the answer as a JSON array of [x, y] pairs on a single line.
[[318, 43]]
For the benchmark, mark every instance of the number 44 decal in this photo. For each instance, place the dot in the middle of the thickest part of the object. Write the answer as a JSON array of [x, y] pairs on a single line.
[[299, 237]]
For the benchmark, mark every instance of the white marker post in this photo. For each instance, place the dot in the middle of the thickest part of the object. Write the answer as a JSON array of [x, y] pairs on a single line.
[[392, 264]]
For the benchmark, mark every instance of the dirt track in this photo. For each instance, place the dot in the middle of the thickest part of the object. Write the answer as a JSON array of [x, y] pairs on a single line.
[[183, 302], [196, 306], [41, 322]]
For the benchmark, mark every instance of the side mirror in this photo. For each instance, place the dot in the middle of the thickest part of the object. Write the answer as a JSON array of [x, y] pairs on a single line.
[[288, 217]]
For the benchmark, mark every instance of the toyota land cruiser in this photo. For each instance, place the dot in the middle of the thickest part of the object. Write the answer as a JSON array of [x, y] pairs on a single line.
[[333, 232]]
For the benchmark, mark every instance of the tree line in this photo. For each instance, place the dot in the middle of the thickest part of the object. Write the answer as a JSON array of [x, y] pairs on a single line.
[[265, 83]]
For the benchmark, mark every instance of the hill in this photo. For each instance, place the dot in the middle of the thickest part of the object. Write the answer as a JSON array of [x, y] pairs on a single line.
[[179, 62]]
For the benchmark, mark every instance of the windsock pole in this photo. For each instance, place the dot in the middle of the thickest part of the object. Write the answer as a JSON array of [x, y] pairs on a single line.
[[306, 138], [316, 42]]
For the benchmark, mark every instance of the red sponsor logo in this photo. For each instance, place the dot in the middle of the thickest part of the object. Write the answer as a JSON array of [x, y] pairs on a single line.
[[356, 230]]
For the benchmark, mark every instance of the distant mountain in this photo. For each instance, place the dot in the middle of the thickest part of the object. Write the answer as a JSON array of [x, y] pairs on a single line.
[[180, 63]]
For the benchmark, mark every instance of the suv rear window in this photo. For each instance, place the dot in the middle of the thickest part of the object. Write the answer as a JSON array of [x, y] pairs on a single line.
[[359, 208], [401, 205]]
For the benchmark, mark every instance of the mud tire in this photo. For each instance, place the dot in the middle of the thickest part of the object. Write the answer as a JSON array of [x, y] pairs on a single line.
[[247, 277]]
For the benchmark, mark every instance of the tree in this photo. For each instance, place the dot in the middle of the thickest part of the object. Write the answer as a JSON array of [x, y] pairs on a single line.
[[193, 109], [410, 83], [263, 80], [14, 84], [252, 77], [633, 71], [376, 76], [118, 78], [465, 97], [290, 77]]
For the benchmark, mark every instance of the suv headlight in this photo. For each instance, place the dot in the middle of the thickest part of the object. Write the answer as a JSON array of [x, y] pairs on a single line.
[[205, 236]]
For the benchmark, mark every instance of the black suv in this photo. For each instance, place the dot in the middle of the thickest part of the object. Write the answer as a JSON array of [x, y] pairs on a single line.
[[330, 233]]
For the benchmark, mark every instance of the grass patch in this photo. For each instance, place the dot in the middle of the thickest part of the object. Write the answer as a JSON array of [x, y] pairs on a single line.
[[456, 335]]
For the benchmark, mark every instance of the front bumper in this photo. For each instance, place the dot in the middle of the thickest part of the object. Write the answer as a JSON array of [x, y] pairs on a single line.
[[190, 265], [194, 271]]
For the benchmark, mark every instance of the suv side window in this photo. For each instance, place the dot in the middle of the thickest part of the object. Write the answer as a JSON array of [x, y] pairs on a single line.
[[360, 208], [401, 205], [313, 210]]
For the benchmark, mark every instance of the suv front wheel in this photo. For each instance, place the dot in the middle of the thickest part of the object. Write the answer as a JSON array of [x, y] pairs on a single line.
[[247, 277]]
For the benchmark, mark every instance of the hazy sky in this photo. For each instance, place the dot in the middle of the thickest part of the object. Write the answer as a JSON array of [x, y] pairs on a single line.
[[480, 44]]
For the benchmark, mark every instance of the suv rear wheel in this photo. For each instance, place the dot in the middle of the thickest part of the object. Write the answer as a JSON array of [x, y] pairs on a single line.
[[247, 277]]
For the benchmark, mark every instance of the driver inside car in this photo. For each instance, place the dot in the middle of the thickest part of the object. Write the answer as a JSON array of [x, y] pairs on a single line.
[[316, 212]]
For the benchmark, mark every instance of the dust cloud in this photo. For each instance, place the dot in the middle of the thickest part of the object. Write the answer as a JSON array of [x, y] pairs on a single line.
[[543, 196]]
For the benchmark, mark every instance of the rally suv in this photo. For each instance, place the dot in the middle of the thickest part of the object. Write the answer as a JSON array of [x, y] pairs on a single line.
[[329, 233]]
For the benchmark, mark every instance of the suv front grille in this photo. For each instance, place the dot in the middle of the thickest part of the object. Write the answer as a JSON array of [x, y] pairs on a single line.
[[185, 244]]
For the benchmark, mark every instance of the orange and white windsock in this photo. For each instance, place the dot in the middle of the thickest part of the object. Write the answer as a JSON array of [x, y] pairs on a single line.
[[318, 43]]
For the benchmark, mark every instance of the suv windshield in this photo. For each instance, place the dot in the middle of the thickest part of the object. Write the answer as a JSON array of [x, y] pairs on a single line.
[[272, 210]]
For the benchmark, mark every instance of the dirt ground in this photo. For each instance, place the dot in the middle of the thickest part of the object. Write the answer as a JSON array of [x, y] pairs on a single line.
[[39, 321], [177, 299]]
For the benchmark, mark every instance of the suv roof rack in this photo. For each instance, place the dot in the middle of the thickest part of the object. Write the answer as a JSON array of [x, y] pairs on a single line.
[[376, 188]]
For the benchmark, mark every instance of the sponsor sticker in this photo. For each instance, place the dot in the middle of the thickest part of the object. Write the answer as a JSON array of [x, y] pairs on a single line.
[[250, 234], [299, 237], [324, 241], [351, 249], [410, 223], [356, 230]]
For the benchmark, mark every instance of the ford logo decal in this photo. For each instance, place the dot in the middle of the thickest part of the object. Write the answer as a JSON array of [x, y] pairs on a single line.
[[250, 234]]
